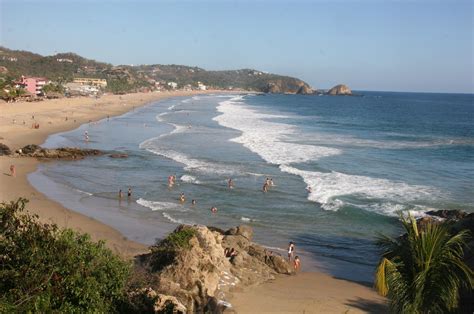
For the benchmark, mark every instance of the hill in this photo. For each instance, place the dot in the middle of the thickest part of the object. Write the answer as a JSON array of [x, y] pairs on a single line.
[[63, 67]]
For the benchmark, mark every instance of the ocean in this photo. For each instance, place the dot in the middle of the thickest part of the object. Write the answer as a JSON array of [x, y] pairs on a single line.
[[343, 168]]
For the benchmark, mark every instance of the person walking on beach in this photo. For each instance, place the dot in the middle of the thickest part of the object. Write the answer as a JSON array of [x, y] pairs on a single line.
[[12, 170], [291, 251], [129, 194]]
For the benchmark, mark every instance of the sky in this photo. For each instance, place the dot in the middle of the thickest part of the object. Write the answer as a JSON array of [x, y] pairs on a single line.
[[399, 45]]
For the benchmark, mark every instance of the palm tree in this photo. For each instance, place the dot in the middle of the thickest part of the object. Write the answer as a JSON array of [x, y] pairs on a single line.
[[423, 271]]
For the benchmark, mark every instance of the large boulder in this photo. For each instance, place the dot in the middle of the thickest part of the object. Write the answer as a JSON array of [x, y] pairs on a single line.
[[453, 214], [33, 150], [340, 89], [191, 265], [305, 90], [243, 230]]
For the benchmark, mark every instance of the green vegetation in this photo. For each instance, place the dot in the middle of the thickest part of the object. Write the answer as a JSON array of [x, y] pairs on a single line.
[[53, 88], [45, 269], [164, 252], [124, 79], [423, 271]]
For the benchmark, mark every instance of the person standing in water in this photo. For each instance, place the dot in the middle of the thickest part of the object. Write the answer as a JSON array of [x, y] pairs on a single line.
[[265, 187], [230, 183], [120, 194], [291, 251], [129, 194], [182, 199]]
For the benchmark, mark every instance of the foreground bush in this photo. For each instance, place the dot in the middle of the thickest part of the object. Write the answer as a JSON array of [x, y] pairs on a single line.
[[423, 271], [44, 269]]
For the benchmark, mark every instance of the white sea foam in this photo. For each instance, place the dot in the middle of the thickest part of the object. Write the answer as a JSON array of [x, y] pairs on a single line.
[[160, 116], [178, 129], [267, 138], [189, 179], [191, 164], [247, 219], [160, 206], [176, 220], [389, 196]]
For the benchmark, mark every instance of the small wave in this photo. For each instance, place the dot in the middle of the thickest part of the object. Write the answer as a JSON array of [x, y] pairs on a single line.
[[246, 219], [176, 220], [190, 179], [83, 192], [191, 164], [159, 117], [159, 206]]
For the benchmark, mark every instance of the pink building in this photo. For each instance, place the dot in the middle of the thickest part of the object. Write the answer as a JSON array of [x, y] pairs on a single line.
[[34, 85]]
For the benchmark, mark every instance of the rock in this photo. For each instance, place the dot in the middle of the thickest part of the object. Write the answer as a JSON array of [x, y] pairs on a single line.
[[453, 214], [197, 272], [168, 304], [305, 90], [339, 90], [64, 152], [243, 230], [146, 300], [4, 150], [118, 155], [280, 265]]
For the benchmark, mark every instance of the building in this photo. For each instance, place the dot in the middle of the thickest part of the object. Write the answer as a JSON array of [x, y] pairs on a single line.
[[91, 81], [34, 85], [201, 86], [173, 85]]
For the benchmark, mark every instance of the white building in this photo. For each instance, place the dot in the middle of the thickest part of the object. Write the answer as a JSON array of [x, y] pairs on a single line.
[[201, 86], [173, 85]]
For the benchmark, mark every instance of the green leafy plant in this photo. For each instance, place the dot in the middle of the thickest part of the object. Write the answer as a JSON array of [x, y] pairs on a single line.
[[423, 271], [45, 269]]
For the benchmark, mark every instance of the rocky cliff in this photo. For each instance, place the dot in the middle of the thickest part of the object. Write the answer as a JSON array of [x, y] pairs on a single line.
[[190, 268], [339, 90]]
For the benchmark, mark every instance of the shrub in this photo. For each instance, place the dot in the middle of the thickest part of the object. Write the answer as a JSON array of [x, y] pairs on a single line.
[[45, 269]]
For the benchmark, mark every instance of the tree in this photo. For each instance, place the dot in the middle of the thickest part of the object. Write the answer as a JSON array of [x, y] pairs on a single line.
[[423, 271], [45, 269]]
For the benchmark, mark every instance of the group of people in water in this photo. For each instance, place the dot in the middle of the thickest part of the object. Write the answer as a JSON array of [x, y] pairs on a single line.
[[268, 183], [129, 194]]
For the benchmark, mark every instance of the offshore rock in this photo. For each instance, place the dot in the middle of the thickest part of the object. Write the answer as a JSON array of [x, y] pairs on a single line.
[[341, 89]]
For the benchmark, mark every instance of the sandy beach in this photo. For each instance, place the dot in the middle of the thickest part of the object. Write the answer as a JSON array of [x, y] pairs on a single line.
[[51, 116], [303, 293]]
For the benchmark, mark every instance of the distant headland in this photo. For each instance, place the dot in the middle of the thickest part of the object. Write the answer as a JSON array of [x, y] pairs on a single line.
[[26, 75]]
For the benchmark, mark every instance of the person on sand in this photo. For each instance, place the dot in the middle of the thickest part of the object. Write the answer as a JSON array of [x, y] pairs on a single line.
[[182, 199], [297, 263], [214, 209], [129, 194], [120, 194], [13, 171], [291, 251], [230, 183]]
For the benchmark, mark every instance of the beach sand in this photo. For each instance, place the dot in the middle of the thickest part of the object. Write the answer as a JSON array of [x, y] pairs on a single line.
[[304, 293], [308, 293]]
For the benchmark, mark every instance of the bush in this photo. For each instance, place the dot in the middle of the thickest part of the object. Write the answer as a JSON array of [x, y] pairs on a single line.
[[45, 269], [164, 252]]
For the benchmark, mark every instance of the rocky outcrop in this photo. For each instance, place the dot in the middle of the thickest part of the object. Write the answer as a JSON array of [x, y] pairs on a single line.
[[287, 86], [191, 265], [4, 150], [61, 153], [339, 90]]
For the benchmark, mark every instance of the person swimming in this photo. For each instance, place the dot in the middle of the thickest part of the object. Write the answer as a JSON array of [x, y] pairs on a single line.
[[193, 202], [214, 209], [182, 198]]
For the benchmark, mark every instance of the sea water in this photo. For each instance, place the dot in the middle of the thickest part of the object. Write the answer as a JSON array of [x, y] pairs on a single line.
[[343, 168]]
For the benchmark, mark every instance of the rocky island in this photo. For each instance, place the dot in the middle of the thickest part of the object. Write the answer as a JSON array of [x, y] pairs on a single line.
[[339, 90]]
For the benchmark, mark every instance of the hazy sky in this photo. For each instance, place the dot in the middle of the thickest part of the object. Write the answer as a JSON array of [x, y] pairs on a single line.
[[369, 45]]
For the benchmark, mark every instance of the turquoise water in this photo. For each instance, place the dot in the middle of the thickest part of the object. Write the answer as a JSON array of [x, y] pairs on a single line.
[[342, 167]]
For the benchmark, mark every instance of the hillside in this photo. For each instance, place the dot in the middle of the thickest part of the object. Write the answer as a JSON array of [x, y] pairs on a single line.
[[64, 67]]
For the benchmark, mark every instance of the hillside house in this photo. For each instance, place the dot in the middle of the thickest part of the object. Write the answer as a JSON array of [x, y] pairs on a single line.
[[33, 85]]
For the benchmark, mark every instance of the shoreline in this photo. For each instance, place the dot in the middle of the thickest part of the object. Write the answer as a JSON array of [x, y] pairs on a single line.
[[311, 292], [51, 115]]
